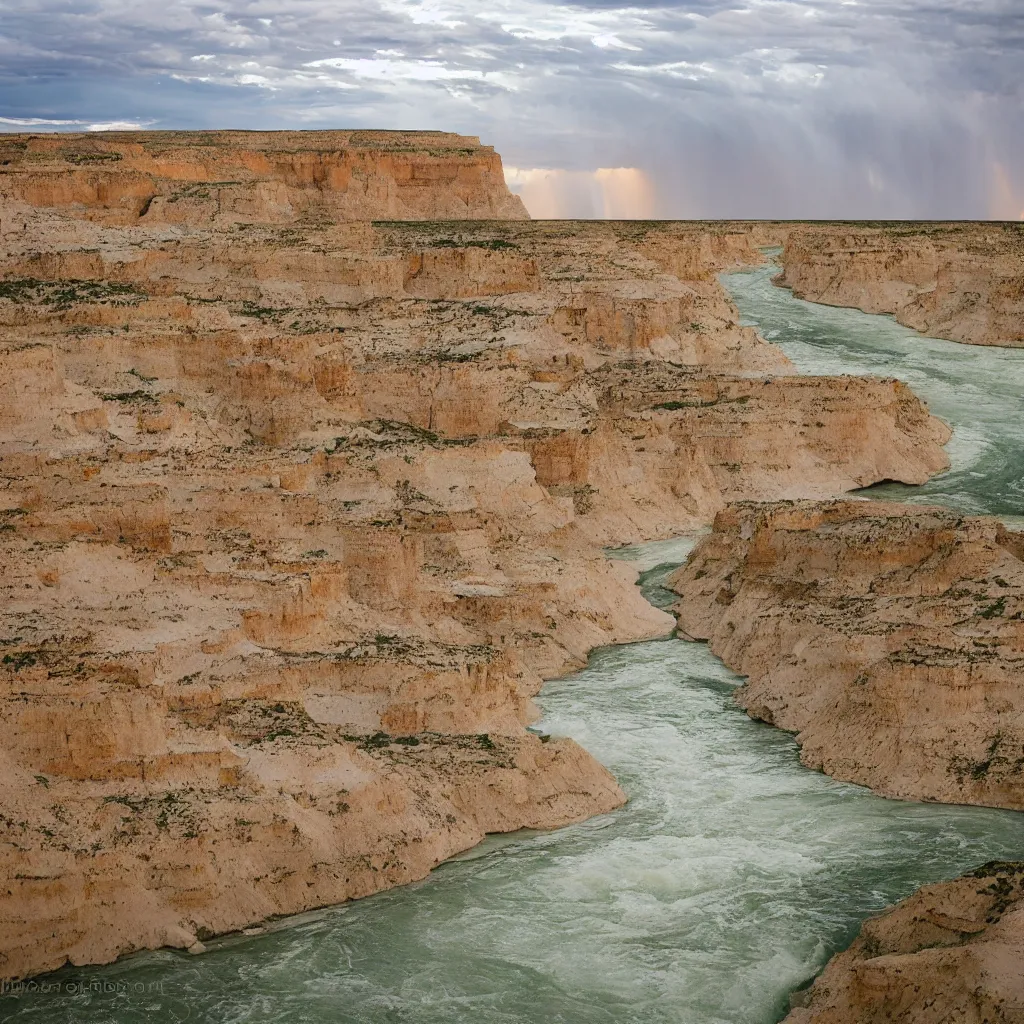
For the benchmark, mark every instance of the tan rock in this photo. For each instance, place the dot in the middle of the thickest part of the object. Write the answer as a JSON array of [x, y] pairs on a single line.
[[951, 951], [888, 637], [964, 282], [299, 512], [241, 176]]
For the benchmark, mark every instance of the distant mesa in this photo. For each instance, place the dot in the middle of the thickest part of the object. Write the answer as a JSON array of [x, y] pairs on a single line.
[[268, 177]]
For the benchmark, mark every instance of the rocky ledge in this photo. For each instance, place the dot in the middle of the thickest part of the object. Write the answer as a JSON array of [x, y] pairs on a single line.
[[298, 513], [221, 177], [951, 952], [963, 282], [889, 638]]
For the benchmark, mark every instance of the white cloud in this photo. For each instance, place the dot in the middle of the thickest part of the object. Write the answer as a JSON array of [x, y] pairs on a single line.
[[796, 74], [33, 122], [609, 41], [387, 70], [95, 126], [675, 69], [118, 126], [544, 22], [424, 12]]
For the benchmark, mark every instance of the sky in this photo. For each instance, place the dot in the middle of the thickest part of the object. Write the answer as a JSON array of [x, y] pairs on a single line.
[[673, 108]]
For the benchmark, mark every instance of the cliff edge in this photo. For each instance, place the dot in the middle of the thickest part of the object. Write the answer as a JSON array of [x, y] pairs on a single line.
[[225, 177], [889, 638], [962, 282]]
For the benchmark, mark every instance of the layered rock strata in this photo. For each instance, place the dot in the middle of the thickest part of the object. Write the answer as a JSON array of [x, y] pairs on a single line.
[[296, 520], [244, 177], [963, 282], [951, 952], [889, 638]]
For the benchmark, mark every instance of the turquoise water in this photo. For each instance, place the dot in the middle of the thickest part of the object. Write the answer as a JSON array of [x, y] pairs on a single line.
[[978, 391], [728, 880]]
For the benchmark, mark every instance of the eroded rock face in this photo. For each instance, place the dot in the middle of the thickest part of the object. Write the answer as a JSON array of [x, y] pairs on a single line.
[[951, 951], [889, 638], [964, 282], [246, 177], [296, 519]]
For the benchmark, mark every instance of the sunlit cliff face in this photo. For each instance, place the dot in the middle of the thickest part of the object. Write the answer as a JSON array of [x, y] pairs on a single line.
[[725, 108]]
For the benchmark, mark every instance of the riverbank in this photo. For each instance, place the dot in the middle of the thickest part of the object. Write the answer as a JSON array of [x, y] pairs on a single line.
[[301, 510], [727, 880]]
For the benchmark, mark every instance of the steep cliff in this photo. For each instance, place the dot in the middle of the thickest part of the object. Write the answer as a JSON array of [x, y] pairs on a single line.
[[951, 952], [296, 519], [964, 282], [244, 177], [889, 638]]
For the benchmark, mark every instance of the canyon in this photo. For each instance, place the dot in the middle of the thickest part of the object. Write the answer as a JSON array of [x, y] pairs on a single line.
[[312, 447], [963, 282]]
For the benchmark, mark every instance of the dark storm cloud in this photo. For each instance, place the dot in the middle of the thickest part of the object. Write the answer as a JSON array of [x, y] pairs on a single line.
[[730, 107]]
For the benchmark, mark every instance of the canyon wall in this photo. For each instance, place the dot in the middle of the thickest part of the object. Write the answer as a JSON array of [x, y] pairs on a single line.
[[951, 952], [234, 177], [963, 282], [297, 512], [889, 638]]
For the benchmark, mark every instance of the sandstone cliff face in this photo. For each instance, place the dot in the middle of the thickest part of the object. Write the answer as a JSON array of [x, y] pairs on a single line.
[[245, 177], [889, 638], [296, 520], [964, 282], [951, 952]]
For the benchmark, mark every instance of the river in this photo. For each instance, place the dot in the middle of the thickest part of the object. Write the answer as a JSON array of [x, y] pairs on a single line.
[[727, 881], [978, 391]]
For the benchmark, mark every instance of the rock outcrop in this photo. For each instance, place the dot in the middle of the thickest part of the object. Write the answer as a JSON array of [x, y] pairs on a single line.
[[951, 952], [297, 513], [963, 282], [240, 177], [889, 638]]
